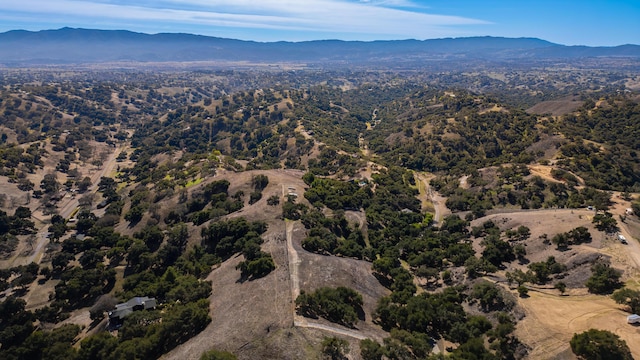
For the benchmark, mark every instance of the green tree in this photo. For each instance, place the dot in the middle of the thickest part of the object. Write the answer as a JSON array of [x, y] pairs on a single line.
[[628, 297], [489, 296], [335, 348], [273, 200], [256, 268], [604, 279], [255, 196], [340, 305], [580, 235], [599, 345], [523, 291], [22, 212], [98, 346], [84, 184], [605, 222], [260, 182], [49, 184], [476, 267], [371, 350], [561, 241], [16, 324], [91, 258]]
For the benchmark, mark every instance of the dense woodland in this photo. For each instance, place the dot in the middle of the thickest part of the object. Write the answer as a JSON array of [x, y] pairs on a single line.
[[331, 125]]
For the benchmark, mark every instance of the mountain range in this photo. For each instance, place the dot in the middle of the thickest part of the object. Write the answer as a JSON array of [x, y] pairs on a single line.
[[77, 46]]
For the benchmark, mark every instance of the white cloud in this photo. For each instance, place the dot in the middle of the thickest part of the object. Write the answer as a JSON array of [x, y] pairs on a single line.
[[366, 17]]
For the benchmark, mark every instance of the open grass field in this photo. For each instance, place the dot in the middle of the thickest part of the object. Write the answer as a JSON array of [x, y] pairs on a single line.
[[551, 321]]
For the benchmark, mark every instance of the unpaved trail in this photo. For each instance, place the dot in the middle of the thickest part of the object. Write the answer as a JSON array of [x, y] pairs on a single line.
[[294, 264], [544, 171], [303, 322], [438, 201], [633, 246]]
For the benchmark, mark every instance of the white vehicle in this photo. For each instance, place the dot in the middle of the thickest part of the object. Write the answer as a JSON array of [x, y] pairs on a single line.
[[633, 319], [622, 239]]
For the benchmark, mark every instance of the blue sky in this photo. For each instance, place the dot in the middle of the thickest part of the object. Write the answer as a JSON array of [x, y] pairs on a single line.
[[569, 22]]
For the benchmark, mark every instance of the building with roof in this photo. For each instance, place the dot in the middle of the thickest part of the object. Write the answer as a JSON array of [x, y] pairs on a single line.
[[117, 315]]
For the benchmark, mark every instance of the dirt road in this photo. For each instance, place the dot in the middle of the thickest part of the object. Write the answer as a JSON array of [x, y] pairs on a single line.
[[633, 246], [294, 263], [428, 194], [67, 206], [300, 321]]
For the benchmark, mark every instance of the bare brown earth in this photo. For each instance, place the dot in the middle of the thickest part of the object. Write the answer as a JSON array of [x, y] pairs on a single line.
[[548, 146], [556, 107]]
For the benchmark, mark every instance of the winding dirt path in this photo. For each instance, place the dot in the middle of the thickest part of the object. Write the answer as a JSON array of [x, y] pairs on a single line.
[[428, 194]]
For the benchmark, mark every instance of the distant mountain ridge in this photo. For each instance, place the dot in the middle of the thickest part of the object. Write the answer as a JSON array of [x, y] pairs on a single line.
[[74, 46]]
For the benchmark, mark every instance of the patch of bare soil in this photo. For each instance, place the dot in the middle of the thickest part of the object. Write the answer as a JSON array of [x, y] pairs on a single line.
[[278, 179], [252, 319], [238, 181], [556, 107], [544, 171], [38, 294], [546, 146], [495, 108], [551, 321], [395, 138], [548, 223]]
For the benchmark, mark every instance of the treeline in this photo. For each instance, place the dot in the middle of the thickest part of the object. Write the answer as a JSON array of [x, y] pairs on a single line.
[[339, 305], [158, 264], [246, 125], [144, 335]]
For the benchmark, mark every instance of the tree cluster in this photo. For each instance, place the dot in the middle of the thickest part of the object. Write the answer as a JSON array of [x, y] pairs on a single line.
[[341, 305]]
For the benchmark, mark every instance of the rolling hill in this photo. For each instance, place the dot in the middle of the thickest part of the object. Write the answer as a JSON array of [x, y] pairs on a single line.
[[73, 46]]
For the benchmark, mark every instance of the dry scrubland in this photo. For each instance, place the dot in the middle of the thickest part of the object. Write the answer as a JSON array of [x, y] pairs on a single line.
[[255, 318]]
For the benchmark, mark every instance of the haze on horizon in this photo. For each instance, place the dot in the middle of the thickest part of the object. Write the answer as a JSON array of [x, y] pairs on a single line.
[[567, 22]]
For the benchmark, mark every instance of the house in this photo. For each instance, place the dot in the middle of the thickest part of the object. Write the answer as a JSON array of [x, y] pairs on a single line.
[[117, 315], [633, 319]]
